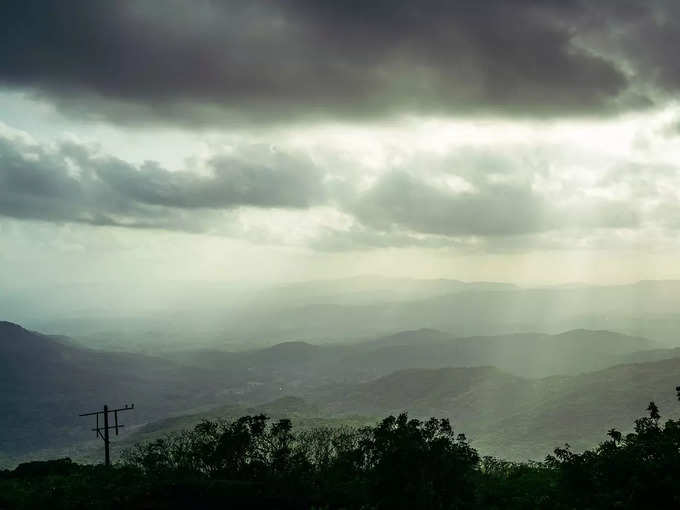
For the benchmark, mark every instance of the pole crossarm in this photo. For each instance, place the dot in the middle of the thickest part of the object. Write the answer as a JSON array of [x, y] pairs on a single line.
[[126, 408]]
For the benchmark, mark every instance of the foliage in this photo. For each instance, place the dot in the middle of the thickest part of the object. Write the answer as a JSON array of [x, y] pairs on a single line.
[[398, 463], [636, 470]]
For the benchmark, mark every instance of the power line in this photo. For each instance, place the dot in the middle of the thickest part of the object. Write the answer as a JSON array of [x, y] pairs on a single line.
[[103, 432]]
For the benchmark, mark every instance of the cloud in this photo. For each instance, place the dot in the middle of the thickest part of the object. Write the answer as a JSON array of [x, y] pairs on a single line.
[[280, 181], [400, 199], [471, 194], [73, 183], [207, 62], [466, 197]]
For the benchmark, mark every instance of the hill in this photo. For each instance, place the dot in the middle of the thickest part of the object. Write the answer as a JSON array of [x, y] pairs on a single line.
[[516, 417], [45, 382], [651, 355]]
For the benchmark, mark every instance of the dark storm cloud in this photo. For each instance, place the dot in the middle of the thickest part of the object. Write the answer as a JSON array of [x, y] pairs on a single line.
[[218, 61], [73, 184], [643, 34]]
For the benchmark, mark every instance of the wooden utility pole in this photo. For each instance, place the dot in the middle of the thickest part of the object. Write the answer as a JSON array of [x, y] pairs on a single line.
[[103, 432], [107, 443]]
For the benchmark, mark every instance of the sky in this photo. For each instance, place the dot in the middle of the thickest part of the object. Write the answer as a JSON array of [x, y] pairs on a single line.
[[251, 140]]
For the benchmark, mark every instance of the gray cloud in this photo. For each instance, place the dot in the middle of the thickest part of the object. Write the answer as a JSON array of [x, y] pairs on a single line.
[[282, 181], [492, 194], [72, 183], [400, 199], [208, 61], [461, 199]]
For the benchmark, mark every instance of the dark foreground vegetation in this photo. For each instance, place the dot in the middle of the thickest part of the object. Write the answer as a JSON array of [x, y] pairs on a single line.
[[399, 463]]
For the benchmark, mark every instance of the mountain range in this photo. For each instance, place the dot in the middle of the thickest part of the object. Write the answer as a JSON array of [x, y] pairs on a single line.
[[516, 395]]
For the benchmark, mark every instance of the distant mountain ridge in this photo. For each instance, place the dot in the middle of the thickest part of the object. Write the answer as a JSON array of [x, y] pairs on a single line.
[[409, 337], [215, 315], [527, 354]]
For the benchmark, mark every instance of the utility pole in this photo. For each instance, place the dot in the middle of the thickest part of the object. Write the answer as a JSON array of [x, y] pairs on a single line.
[[103, 432]]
